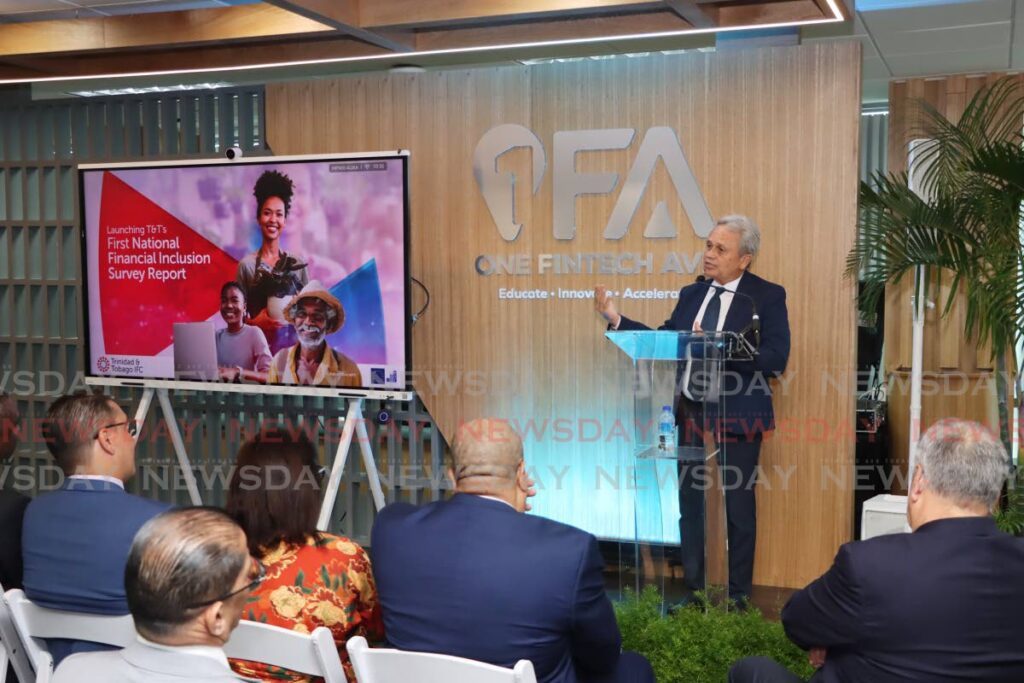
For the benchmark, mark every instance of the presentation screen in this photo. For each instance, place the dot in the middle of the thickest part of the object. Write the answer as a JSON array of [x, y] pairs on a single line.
[[267, 272]]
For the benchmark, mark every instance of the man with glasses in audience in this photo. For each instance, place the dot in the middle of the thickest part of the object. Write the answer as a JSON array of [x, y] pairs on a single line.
[[188, 576], [75, 540]]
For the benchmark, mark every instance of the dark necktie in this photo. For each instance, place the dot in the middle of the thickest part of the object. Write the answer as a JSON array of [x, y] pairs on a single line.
[[709, 323], [697, 382]]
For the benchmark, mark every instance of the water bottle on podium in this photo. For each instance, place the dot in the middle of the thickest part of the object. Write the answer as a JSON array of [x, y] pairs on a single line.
[[667, 439]]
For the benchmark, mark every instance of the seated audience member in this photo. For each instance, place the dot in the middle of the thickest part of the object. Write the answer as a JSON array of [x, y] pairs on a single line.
[[75, 540], [474, 577], [316, 314], [940, 604], [313, 578], [242, 350], [188, 576], [12, 503]]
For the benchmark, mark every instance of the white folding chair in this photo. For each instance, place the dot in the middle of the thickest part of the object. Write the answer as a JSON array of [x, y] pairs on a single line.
[[379, 665], [32, 623], [313, 654], [13, 651]]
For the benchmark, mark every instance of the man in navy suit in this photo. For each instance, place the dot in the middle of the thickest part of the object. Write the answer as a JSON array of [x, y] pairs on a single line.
[[75, 540], [474, 577], [941, 604], [724, 301]]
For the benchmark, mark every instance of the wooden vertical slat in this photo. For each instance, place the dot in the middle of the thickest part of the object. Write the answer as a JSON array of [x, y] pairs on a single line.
[[133, 129], [189, 117], [151, 127], [171, 125]]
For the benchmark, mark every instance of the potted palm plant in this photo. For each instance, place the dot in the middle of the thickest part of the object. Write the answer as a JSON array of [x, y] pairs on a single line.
[[962, 219]]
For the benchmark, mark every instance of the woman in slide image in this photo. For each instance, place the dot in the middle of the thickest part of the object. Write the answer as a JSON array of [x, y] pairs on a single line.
[[313, 578], [270, 276], [242, 350]]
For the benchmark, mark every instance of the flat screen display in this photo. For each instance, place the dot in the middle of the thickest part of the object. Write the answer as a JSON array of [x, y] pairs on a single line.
[[266, 272]]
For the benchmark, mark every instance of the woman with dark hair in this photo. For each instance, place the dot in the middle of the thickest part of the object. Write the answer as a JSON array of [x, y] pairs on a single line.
[[313, 578], [270, 276]]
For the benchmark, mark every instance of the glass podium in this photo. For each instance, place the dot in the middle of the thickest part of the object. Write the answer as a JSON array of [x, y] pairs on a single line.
[[685, 372]]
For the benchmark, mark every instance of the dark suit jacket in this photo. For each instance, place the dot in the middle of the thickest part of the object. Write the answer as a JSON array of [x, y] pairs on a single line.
[[748, 401], [12, 512], [75, 544], [940, 604], [471, 577]]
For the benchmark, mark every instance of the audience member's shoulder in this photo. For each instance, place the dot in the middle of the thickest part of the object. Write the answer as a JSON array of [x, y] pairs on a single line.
[[146, 505], [341, 544], [393, 512], [556, 529], [87, 667], [13, 500], [879, 545]]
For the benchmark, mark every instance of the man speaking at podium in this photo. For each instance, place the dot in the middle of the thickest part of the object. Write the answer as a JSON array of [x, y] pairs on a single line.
[[728, 297]]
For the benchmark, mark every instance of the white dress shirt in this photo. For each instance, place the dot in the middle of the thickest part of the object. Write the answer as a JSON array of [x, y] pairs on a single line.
[[99, 477], [500, 500], [214, 653], [726, 298]]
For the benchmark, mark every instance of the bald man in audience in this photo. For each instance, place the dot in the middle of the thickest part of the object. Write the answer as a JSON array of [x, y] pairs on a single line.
[[476, 577], [12, 503], [188, 576]]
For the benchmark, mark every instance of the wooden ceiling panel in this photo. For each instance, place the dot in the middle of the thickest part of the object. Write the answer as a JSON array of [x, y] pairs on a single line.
[[205, 57], [323, 30], [149, 30], [450, 13], [565, 29], [343, 15]]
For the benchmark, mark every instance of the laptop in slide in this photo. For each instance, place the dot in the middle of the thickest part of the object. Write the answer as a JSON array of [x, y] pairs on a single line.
[[195, 352]]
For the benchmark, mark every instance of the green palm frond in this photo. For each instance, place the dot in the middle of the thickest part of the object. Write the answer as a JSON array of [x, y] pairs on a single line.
[[992, 116], [966, 219]]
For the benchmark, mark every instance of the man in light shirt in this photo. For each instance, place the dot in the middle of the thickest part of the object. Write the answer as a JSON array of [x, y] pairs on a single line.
[[724, 299], [188, 576], [75, 540]]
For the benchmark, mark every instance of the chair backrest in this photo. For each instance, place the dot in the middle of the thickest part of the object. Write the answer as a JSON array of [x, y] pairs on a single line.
[[379, 665], [12, 651], [32, 623], [313, 654]]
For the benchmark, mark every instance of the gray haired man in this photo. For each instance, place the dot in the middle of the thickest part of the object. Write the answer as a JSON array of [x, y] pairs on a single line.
[[726, 298], [188, 576], [940, 604]]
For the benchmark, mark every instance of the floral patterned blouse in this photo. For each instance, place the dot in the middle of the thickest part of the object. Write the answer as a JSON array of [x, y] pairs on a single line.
[[325, 582]]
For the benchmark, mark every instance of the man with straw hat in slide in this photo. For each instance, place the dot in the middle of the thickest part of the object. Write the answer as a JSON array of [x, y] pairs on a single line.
[[314, 313]]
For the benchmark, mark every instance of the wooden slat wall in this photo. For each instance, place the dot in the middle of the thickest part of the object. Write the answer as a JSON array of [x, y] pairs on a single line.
[[772, 133], [958, 380]]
